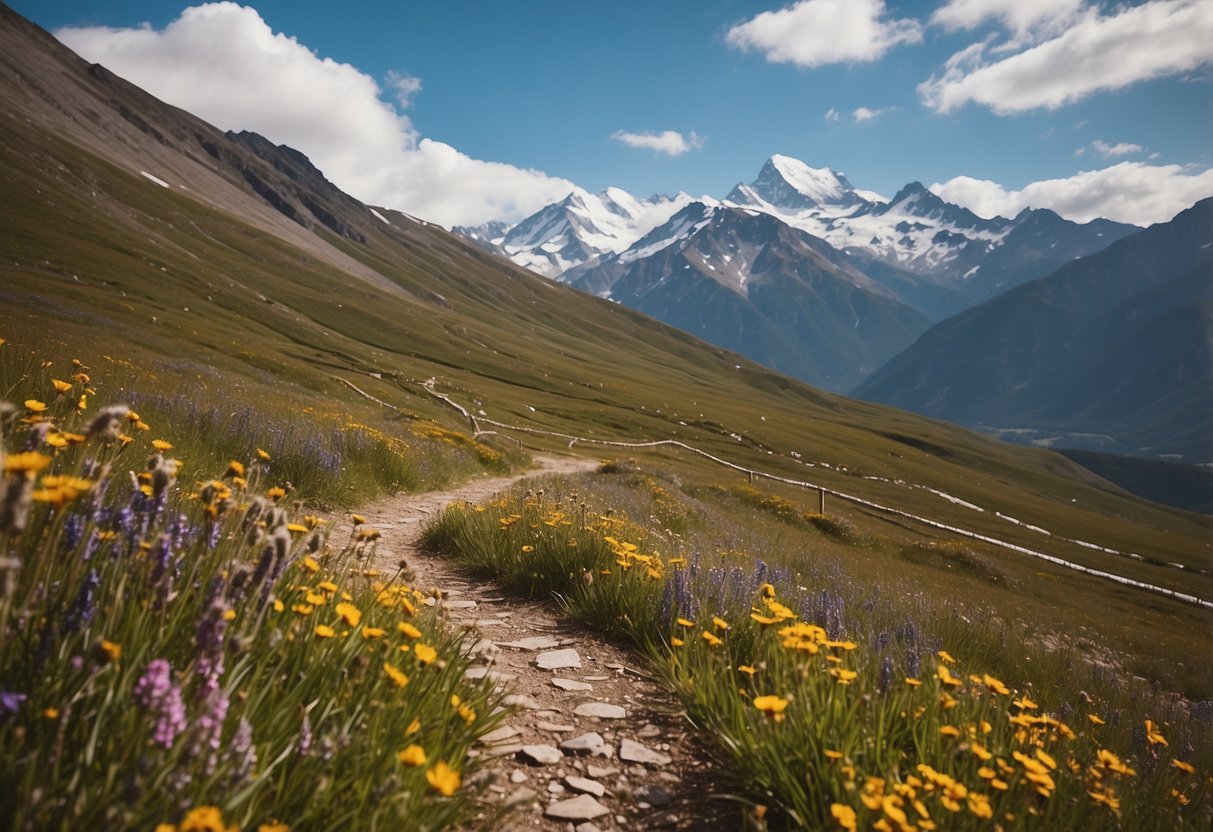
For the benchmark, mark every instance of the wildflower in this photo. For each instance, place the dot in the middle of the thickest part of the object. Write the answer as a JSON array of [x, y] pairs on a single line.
[[844, 815], [844, 676], [425, 654], [946, 677], [35, 406], [527, 549], [1024, 704], [263, 456], [325, 631], [719, 623], [357, 519], [711, 639], [27, 463], [675, 641], [747, 670], [234, 470], [202, 819], [444, 779], [914, 683], [682, 622], [949, 731], [373, 632], [302, 609], [995, 685], [946, 657], [398, 677], [350, 614], [274, 826], [832, 755], [108, 651], [773, 706], [1153, 735], [1182, 766], [309, 563], [161, 445], [276, 493], [1095, 720], [10, 701], [413, 727], [61, 387], [414, 755], [408, 629]]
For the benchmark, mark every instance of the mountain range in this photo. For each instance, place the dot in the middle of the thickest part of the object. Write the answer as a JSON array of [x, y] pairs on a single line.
[[1110, 352], [797, 269]]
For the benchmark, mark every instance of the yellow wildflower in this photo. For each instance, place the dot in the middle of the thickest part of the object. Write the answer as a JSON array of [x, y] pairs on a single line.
[[202, 819], [444, 779], [398, 677], [1153, 735], [844, 815], [773, 706], [425, 654], [325, 631], [350, 614], [1182, 766], [408, 629], [747, 670], [710, 638], [414, 755]]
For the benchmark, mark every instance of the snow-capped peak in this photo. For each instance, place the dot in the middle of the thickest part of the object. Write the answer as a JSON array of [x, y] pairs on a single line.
[[821, 185]]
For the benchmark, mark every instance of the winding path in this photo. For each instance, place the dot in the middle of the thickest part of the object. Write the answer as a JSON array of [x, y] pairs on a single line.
[[629, 758]]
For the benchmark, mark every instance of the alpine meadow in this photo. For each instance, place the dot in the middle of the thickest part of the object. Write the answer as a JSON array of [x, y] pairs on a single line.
[[319, 513]]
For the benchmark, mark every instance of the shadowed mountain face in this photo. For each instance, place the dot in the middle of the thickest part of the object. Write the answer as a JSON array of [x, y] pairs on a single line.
[[748, 282], [1119, 343]]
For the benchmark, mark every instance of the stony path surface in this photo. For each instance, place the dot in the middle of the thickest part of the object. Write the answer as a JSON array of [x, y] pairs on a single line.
[[592, 743]]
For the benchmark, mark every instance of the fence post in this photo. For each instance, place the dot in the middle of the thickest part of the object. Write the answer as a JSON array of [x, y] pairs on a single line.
[[750, 474], [821, 499]]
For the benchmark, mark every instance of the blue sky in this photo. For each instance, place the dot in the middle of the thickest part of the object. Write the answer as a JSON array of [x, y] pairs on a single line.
[[989, 101]]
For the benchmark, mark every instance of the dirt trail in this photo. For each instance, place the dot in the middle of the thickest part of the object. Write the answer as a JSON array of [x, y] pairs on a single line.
[[593, 743]]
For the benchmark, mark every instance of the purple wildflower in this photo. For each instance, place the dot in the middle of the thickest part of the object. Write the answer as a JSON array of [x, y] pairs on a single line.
[[10, 701], [85, 606], [304, 744], [157, 692]]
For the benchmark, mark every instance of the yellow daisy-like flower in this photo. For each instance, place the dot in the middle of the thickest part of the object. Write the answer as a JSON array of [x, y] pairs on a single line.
[[413, 728], [748, 670], [108, 651], [263, 456], [325, 631], [408, 629], [398, 677], [444, 779], [946, 657], [719, 623], [234, 469], [29, 462], [675, 641], [35, 406], [414, 755], [302, 609], [773, 706], [1182, 766], [425, 654], [202, 819], [350, 614], [844, 815], [373, 632], [682, 622], [527, 549], [309, 563], [274, 826], [710, 638], [162, 445], [357, 519], [1153, 734], [1094, 719], [61, 387]]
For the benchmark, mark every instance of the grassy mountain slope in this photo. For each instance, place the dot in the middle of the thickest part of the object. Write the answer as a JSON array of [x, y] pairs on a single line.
[[250, 276]]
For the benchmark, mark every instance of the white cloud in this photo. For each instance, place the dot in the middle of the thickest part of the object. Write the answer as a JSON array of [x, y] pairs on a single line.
[[1025, 19], [405, 87], [669, 142], [1132, 192], [862, 114], [832, 116], [816, 32], [1152, 40], [1109, 151], [222, 62]]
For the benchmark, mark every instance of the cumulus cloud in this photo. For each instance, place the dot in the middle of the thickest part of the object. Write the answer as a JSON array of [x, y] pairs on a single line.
[[1131, 192], [1096, 53], [813, 33], [1025, 19], [669, 142], [222, 62], [1109, 151]]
